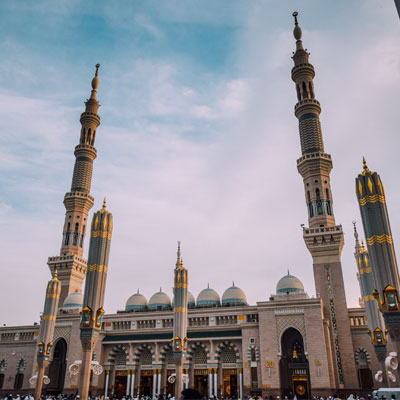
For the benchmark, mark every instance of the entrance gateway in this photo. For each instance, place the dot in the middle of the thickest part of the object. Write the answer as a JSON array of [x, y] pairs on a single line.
[[201, 381], [229, 382]]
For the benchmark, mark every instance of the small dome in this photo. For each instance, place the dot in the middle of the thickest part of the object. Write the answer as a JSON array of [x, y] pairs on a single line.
[[289, 284], [208, 298], [137, 302], [73, 301], [234, 296], [191, 301], [160, 301]]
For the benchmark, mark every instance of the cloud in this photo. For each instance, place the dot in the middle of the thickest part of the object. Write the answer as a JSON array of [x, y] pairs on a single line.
[[194, 153]]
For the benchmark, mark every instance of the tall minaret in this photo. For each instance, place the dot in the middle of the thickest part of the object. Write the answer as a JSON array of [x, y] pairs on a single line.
[[92, 311], [70, 264], [180, 319], [47, 323], [376, 326], [323, 238], [375, 218]]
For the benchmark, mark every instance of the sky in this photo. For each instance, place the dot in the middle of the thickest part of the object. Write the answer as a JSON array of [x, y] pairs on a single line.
[[198, 141]]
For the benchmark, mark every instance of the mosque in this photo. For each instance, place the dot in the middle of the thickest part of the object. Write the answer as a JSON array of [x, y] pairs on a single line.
[[289, 344]]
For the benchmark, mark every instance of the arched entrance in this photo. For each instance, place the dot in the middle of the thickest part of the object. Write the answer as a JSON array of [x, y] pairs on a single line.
[[146, 373], [229, 372], [121, 374], [293, 366], [200, 373], [57, 368], [364, 371]]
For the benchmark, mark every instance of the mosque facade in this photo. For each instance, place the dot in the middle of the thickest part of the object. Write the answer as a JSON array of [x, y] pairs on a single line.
[[289, 344]]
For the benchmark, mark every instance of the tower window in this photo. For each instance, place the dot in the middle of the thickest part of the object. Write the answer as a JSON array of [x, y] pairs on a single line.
[[75, 242]]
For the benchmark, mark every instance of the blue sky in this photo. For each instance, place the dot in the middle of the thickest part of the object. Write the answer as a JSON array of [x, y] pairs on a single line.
[[198, 140]]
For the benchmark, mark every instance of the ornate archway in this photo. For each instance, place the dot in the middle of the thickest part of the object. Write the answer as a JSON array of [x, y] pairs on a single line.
[[57, 368], [293, 366]]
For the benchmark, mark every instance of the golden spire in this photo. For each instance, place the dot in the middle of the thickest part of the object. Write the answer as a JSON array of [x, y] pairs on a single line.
[[356, 237], [179, 257], [297, 32], [55, 276], [365, 167], [104, 203]]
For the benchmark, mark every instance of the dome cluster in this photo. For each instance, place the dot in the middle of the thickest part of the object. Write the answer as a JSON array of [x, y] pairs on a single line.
[[233, 296]]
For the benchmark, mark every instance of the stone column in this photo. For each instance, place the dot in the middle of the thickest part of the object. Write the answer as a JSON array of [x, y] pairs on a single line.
[[210, 382], [240, 383], [159, 382], [154, 382], [88, 344], [217, 371], [128, 382], [107, 372]]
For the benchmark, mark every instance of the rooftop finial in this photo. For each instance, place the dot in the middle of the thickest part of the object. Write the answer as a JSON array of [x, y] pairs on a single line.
[[208, 285], [365, 166], [233, 283], [295, 14], [297, 32], [356, 236], [160, 289], [104, 203], [97, 69], [288, 272], [178, 253], [138, 291], [55, 276]]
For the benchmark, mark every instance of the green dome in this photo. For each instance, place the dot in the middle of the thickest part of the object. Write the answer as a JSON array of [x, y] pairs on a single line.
[[73, 301], [234, 296], [160, 301], [289, 284], [137, 302], [208, 298]]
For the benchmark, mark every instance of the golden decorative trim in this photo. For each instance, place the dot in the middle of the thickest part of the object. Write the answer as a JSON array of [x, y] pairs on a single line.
[[372, 199], [180, 309], [181, 285], [101, 234], [99, 268], [49, 317], [379, 239], [53, 296], [365, 270], [369, 297]]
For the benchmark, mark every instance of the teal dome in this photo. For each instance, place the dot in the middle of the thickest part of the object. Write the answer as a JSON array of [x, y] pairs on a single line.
[[137, 302], [208, 298], [160, 301], [73, 301], [289, 284], [234, 296]]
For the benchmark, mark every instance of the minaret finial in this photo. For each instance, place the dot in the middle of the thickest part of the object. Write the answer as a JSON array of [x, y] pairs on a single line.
[[55, 276], [104, 203], [297, 32], [178, 253], [295, 14], [356, 237], [365, 166], [95, 83], [138, 291]]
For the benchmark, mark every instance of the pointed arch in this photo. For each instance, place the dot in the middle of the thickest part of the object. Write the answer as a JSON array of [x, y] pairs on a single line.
[[193, 347], [115, 350], [224, 345], [140, 349], [256, 350]]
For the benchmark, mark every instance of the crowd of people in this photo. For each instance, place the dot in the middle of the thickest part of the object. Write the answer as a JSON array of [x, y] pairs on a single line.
[[189, 394]]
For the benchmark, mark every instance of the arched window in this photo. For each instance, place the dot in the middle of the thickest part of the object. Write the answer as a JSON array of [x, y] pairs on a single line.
[[57, 367], [199, 356], [83, 235], [310, 206], [328, 203], [75, 243], [319, 202], [146, 357], [311, 90], [298, 92], [253, 355], [305, 93], [120, 358], [228, 355], [67, 234]]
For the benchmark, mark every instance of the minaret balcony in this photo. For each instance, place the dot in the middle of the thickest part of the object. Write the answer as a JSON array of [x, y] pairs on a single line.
[[302, 69], [85, 149], [324, 239], [78, 199], [314, 162], [307, 106]]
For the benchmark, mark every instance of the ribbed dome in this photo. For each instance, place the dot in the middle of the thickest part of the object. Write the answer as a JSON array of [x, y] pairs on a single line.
[[160, 301], [191, 301], [234, 296], [289, 284], [208, 298], [73, 301], [137, 302]]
